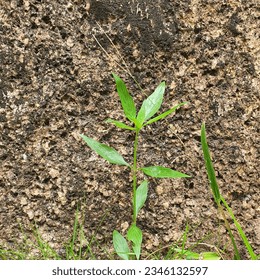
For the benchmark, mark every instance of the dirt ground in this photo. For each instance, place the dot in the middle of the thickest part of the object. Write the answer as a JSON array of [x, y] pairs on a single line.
[[56, 83]]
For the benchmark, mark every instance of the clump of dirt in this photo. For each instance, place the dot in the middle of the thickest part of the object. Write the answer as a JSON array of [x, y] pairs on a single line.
[[56, 83]]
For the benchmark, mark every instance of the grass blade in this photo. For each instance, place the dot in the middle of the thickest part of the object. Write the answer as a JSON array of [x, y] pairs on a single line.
[[45, 250], [125, 98], [152, 104], [106, 152], [185, 236], [162, 172], [70, 248], [241, 232], [214, 186], [209, 166], [237, 255], [165, 114]]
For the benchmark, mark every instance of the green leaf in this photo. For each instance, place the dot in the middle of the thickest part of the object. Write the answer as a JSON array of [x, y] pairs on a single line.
[[152, 104], [120, 245], [241, 232], [134, 234], [189, 255], [141, 195], [162, 172], [209, 256], [214, 185], [120, 124], [165, 114], [105, 151], [209, 166], [125, 98]]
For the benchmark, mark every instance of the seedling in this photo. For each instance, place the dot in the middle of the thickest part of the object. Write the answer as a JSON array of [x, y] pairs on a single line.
[[144, 117]]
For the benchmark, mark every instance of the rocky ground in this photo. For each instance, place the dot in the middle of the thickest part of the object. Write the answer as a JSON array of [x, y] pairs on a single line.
[[56, 59]]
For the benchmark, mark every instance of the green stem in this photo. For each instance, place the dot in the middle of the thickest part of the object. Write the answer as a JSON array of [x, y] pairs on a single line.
[[227, 225], [242, 234], [135, 175]]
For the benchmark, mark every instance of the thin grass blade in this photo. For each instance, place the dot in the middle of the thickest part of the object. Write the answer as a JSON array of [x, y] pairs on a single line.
[[209, 166], [241, 232], [70, 252], [185, 236], [237, 255], [106, 152]]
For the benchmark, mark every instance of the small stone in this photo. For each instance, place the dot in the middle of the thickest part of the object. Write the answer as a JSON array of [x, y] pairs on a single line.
[[159, 190], [70, 42], [54, 173], [166, 204], [24, 201], [136, 53], [30, 214], [124, 226]]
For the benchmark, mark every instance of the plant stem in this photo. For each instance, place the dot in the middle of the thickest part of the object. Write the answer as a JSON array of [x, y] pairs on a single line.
[[242, 234], [227, 225], [135, 175]]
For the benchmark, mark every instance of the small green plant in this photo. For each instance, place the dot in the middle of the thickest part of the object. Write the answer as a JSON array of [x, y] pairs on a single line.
[[219, 199], [144, 117]]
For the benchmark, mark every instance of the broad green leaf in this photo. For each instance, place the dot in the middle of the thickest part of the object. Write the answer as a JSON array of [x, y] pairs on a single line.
[[120, 124], [134, 234], [105, 151], [165, 114], [152, 104], [120, 245], [125, 98], [209, 166], [141, 195], [162, 172]]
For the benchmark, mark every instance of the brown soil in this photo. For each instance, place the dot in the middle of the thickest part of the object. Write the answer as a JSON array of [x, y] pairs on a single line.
[[56, 83]]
